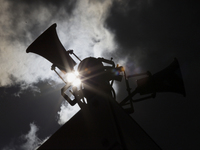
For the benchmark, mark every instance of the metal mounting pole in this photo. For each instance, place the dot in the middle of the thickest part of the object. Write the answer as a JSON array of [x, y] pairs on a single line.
[[131, 110], [53, 68]]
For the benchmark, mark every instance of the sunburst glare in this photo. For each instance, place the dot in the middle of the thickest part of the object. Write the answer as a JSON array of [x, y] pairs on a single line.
[[73, 78]]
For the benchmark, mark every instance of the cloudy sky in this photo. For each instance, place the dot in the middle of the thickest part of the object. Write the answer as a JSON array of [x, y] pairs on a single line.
[[139, 34]]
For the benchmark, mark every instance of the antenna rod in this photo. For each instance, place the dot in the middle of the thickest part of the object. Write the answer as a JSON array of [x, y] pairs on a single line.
[[71, 52], [53, 68]]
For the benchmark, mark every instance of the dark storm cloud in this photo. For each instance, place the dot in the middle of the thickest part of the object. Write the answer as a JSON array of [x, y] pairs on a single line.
[[18, 112], [26, 141], [157, 29], [149, 35], [155, 23]]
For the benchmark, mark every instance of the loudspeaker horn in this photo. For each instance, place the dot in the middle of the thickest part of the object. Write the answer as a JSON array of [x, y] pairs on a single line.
[[49, 46], [167, 80]]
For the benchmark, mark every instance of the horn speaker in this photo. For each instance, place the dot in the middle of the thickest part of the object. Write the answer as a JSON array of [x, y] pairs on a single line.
[[49, 46], [167, 80]]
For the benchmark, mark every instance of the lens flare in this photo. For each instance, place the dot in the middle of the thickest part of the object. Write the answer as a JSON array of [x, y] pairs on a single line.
[[73, 78], [76, 82]]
